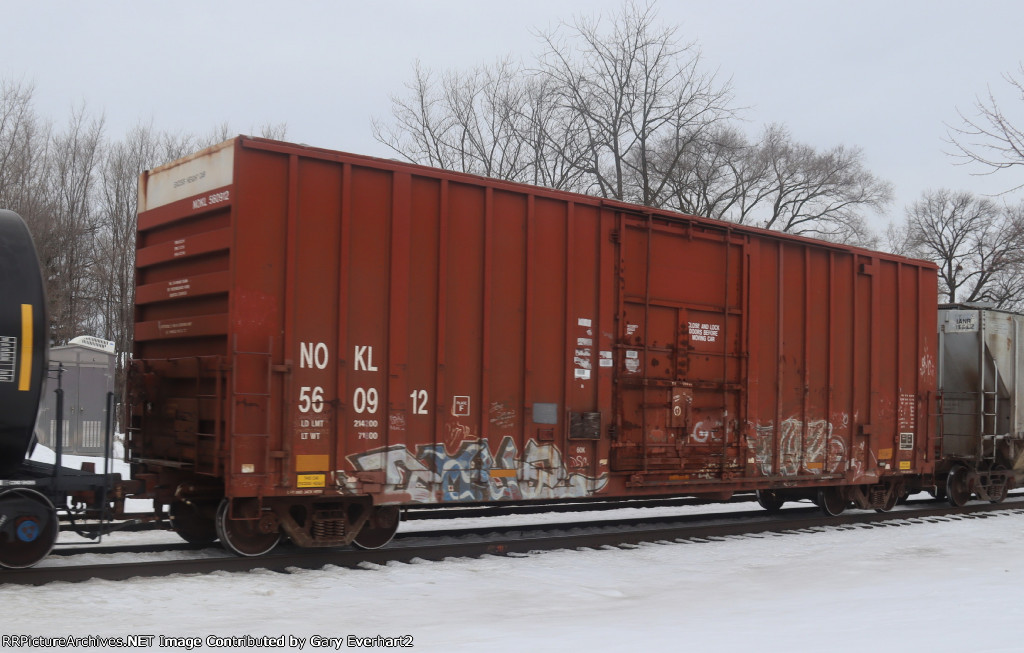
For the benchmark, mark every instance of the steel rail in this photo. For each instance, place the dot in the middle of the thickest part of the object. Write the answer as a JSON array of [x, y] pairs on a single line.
[[519, 540], [146, 521]]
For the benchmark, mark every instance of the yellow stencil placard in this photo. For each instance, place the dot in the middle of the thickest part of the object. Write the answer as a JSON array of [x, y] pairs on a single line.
[[311, 480], [904, 465], [312, 463], [503, 473], [25, 378]]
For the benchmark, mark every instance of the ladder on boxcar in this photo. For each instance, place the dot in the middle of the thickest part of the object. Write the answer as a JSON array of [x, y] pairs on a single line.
[[208, 441], [247, 398]]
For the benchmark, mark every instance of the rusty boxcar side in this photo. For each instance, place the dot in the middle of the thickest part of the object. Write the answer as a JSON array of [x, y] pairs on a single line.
[[320, 335]]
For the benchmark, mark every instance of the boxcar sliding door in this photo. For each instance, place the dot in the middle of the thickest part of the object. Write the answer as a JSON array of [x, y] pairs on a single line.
[[681, 345]]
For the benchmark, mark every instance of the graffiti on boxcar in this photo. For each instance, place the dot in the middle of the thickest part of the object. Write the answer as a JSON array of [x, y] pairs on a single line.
[[857, 459], [545, 475], [473, 473], [760, 443], [396, 422], [706, 431], [402, 470], [927, 365], [502, 416], [456, 433], [803, 448], [462, 475]]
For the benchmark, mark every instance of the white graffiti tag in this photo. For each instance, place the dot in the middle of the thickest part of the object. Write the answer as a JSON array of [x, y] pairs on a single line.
[[810, 448]]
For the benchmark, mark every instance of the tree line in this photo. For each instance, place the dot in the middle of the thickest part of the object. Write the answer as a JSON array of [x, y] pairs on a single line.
[[621, 107]]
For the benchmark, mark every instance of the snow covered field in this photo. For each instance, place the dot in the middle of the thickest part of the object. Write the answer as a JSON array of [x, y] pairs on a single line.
[[949, 586]]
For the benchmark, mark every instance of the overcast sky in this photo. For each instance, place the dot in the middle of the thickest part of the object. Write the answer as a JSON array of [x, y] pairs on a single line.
[[881, 75]]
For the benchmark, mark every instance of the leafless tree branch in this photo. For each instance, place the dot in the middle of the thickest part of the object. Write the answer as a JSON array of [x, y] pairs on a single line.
[[991, 138]]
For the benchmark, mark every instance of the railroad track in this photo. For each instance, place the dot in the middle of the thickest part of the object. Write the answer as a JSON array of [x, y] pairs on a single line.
[[477, 531], [497, 510], [519, 540], [145, 521]]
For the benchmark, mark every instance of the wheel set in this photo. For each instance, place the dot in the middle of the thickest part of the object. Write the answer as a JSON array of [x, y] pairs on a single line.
[[28, 527], [246, 529]]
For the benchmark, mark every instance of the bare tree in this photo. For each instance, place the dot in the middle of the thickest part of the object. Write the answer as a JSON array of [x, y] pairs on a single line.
[[498, 121], [716, 177], [276, 130], [977, 245], [586, 117], [818, 194], [633, 86], [991, 138], [75, 157], [621, 108], [483, 109], [776, 183], [25, 143], [420, 124], [17, 124], [48, 177], [218, 134], [555, 139], [175, 145], [114, 244]]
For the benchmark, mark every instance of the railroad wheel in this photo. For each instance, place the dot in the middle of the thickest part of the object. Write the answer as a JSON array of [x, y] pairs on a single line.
[[194, 522], [28, 527], [832, 501], [770, 500], [379, 528], [999, 495], [251, 536], [890, 501], [957, 491]]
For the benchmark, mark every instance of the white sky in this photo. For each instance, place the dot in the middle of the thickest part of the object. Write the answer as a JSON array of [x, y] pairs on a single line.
[[881, 75]]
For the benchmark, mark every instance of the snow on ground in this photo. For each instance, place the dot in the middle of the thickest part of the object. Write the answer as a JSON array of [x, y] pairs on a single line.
[[44, 454], [949, 586]]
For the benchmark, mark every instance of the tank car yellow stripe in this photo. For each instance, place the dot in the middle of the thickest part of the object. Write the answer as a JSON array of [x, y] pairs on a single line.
[[25, 379]]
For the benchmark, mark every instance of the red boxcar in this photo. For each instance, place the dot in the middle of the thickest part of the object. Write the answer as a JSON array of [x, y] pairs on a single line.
[[321, 337]]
